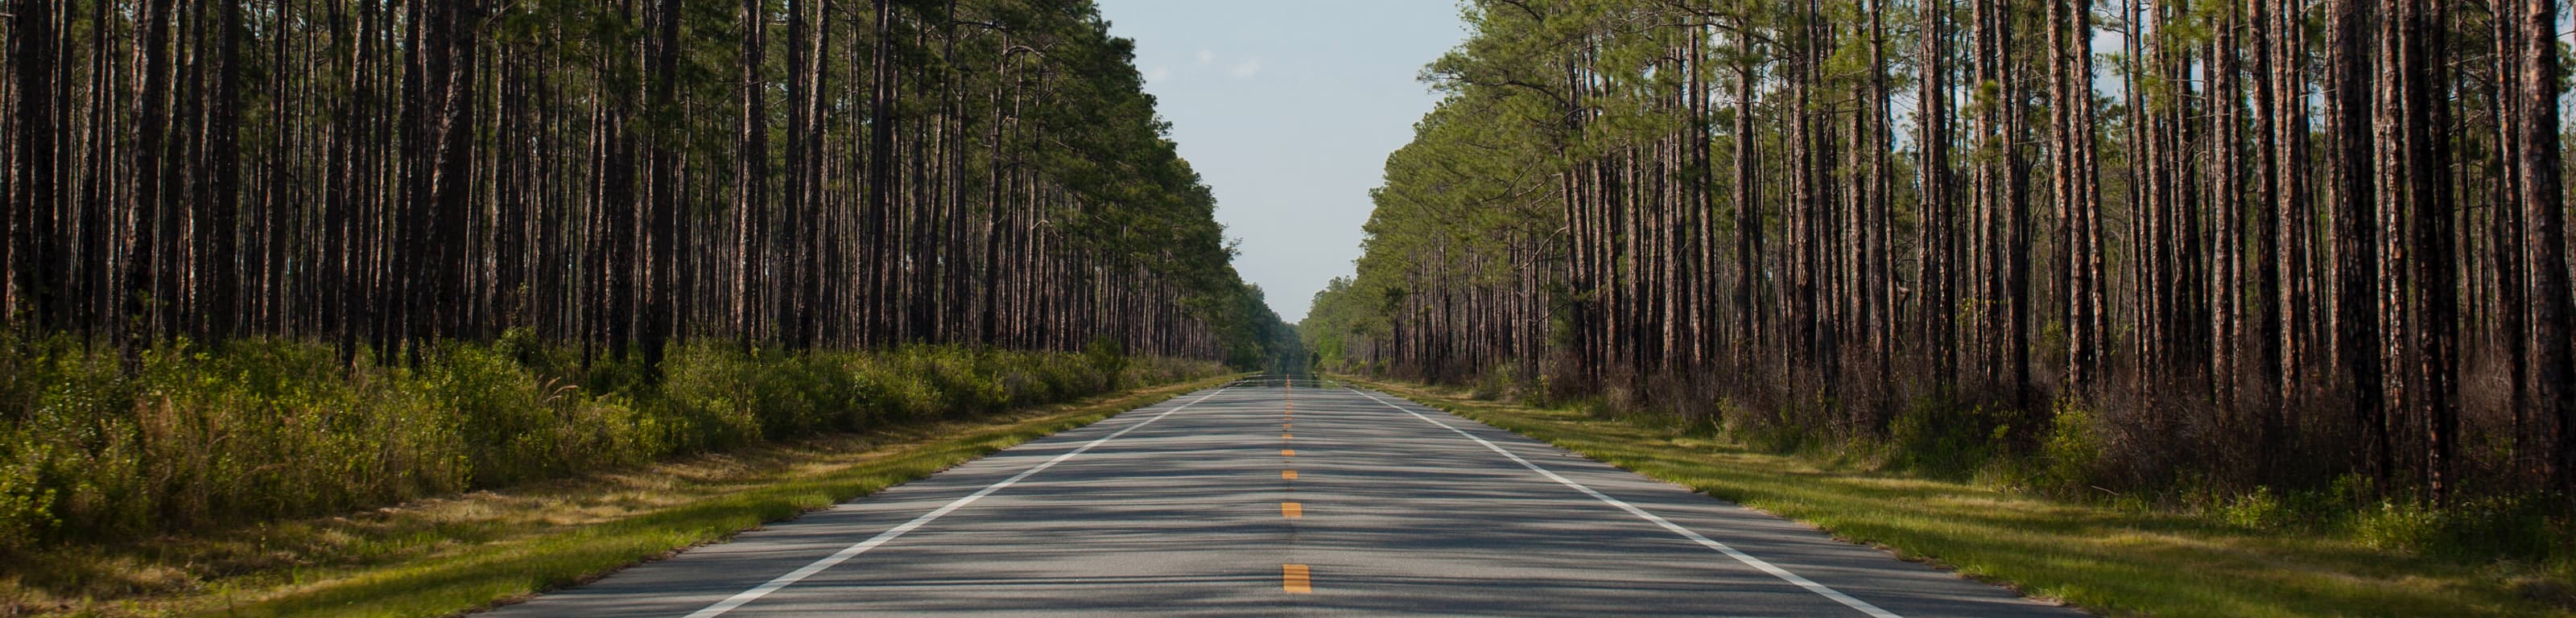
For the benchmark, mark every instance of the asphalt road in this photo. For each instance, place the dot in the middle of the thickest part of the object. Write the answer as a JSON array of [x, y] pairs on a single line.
[[1278, 497]]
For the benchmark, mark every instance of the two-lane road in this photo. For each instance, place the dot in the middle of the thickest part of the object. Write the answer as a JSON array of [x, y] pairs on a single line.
[[1284, 497]]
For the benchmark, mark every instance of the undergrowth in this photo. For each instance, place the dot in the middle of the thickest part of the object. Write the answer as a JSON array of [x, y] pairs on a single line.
[[192, 437]]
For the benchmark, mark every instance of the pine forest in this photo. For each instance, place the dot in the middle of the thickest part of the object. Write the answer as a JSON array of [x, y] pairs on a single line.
[[611, 175], [412, 247], [2268, 243]]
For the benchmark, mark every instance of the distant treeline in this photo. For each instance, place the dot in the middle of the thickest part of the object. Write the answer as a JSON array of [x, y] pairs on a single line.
[[2229, 244], [611, 175]]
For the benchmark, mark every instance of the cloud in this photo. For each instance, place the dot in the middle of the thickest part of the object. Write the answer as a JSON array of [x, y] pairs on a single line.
[[1158, 73], [1245, 69], [1207, 57]]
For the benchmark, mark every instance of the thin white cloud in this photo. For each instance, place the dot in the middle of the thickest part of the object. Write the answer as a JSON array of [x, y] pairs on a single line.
[[1245, 69], [1158, 74], [1207, 57]]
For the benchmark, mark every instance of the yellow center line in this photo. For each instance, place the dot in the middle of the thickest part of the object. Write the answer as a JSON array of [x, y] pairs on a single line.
[[1292, 510], [1288, 474], [1292, 578], [1287, 452]]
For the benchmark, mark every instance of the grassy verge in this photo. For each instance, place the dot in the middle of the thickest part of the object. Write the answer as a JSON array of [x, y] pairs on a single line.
[[2115, 561], [445, 555]]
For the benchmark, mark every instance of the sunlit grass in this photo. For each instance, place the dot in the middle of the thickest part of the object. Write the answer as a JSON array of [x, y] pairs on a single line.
[[2108, 560], [441, 556]]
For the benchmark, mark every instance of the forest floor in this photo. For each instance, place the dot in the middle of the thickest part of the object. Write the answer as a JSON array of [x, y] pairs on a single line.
[[2111, 561], [454, 554]]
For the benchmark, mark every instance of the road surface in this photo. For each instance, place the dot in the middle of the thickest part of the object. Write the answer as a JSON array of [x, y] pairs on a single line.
[[1282, 497]]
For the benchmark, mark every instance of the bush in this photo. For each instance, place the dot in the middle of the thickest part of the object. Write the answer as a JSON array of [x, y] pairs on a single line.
[[2501, 526], [2070, 455], [196, 437], [1940, 439], [2257, 510], [1106, 358]]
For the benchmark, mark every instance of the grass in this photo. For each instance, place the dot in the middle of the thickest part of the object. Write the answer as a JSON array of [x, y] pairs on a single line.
[[2109, 560], [446, 555]]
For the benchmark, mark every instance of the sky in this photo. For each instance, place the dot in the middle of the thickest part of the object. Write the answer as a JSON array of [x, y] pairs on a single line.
[[1287, 109]]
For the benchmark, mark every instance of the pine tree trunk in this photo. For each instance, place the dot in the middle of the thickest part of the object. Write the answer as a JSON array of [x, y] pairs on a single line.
[[2355, 227], [2553, 378]]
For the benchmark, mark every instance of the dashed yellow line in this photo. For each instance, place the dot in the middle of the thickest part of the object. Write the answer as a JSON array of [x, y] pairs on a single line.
[[1292, 578]]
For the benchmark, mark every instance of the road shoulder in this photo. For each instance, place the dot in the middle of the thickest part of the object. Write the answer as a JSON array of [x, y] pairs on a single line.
[[2100, 559]]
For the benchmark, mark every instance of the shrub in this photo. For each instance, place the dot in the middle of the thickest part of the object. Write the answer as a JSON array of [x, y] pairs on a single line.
[[2500, 526], [2069, 456], [2256, 510], [195, 437], [716, 398], [1107, 359], [1937, 438]]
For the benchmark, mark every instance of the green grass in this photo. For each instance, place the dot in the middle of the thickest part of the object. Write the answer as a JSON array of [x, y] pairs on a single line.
[[2114, 561], [445, 555]]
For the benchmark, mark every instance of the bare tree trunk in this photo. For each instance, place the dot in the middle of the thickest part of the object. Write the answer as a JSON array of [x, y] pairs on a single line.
[[2354, 205], [2070, 42], [222, 279], [880, 321], [1933, 252], [40, 250], [2553, 378], [2431, 201], [145, 271], [1748, 205], [661, 286], [2270, 203]]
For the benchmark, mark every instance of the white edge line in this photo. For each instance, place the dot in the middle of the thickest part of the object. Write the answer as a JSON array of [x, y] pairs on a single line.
[[1820, 589], [783, 581]]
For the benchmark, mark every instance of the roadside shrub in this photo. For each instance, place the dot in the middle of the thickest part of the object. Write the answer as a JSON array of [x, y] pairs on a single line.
[[2397, 526], [2070, 455], [716, 398], [26, 502], [2502, 526], [511, 434], [1161, 370], [1497, 382], [2256, 510], [194, 437], [1107, 359], [1936, 438]]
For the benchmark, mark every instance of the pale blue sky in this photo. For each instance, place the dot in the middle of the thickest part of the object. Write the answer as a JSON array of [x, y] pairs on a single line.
[[1287, 109]]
